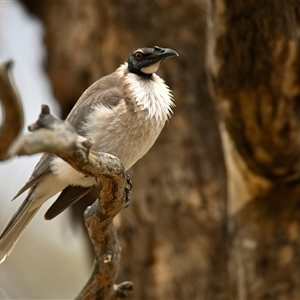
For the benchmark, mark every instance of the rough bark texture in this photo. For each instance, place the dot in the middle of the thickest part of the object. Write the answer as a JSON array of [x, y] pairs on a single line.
[[254, 66], [173, 234]]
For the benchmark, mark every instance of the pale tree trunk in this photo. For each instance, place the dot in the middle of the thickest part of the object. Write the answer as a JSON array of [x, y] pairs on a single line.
[[181, 237], [254, 65]]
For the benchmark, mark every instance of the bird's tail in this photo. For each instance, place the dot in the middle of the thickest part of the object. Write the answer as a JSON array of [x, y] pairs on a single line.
[[14, 228]]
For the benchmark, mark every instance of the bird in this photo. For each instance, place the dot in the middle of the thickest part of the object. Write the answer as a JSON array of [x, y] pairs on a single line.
[[123, 113]]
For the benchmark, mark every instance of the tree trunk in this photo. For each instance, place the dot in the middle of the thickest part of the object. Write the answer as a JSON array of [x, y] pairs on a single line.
[[254, 66]]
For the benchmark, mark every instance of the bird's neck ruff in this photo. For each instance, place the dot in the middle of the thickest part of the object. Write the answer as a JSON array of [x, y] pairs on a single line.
[[151, 94]]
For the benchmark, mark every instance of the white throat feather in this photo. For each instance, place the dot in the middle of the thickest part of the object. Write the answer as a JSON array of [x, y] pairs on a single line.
[[152, 95]]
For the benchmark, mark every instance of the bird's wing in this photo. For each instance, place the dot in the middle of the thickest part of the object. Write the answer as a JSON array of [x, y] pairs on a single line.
[[104, 91], [67, 197], [39, 172]]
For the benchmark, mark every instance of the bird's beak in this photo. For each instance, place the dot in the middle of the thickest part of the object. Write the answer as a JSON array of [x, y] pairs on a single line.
[[159, 53], [154, 57]]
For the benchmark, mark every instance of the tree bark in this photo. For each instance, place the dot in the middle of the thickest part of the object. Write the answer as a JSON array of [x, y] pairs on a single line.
[[254, 66]]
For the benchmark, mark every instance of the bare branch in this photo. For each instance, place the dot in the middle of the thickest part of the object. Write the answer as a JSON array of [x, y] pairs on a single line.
[[122, 290], [12, 110], [50, 135], [107, 252]]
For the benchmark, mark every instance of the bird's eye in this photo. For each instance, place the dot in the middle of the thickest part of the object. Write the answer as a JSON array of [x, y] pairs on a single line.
[[138, 55]]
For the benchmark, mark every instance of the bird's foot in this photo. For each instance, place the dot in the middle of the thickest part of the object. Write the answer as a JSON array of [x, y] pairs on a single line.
[[128, 189]]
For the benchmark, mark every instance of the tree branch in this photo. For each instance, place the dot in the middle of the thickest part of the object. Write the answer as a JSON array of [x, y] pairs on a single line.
[[107, 251], [58, 137], [12, 110]]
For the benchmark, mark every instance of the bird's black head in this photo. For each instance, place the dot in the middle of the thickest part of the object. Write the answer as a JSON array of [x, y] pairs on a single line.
[[145, 61]]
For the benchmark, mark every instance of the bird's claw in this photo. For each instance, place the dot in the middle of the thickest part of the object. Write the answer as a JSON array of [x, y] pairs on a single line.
[[128, 181], [128, 189]]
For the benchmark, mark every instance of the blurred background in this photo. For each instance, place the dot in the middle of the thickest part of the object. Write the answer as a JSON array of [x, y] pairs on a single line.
[[203, 222]]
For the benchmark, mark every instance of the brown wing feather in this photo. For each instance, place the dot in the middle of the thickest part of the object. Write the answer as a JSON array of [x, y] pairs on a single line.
[[67, 197]]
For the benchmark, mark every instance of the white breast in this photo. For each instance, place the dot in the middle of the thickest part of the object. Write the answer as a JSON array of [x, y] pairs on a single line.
[[151, 95]]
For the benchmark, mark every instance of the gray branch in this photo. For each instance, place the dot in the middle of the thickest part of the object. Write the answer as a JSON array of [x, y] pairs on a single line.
[[58, 137]]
